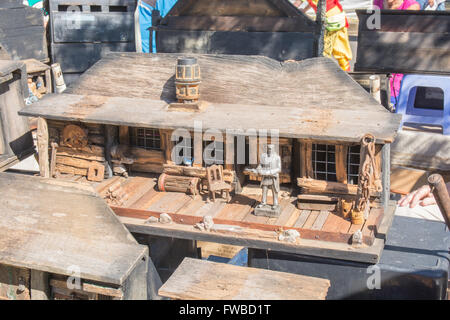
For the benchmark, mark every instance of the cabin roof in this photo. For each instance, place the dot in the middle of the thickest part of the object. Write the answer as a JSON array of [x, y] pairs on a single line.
[[312, 98], [50, 227]]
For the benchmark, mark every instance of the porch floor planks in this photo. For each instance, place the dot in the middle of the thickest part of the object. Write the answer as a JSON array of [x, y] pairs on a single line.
[[147, 199], [355, 227], [320, 221], [311, 219], [136, 188], [372, 222], [237, 208], [293, 218], [192, 207], [103, 186], [335, 223], [304, 214], [211, 208], [250, 217], [287, 209], [170, 202]]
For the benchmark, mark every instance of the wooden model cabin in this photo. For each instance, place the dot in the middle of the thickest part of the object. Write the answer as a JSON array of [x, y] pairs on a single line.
[[121, 115]]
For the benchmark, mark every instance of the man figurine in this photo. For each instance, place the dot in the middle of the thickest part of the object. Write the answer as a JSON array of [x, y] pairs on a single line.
[[269, 168]]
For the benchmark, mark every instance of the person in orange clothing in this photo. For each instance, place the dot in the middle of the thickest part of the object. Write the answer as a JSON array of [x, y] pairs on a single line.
[[336, 40]]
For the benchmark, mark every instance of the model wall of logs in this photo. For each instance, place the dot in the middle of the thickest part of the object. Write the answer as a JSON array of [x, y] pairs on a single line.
[[79, 149]]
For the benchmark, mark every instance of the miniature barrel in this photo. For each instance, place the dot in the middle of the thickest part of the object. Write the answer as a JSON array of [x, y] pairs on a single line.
[[169, 183]]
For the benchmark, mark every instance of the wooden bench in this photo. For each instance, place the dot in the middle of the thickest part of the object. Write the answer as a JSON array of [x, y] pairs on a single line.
[[198, 279]]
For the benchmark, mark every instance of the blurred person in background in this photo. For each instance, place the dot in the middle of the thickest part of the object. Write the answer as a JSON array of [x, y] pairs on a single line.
[[143, 21], [336, 44], [437, 5]]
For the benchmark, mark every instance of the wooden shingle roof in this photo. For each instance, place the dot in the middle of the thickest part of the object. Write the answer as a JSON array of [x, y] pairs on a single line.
[[312, 98]]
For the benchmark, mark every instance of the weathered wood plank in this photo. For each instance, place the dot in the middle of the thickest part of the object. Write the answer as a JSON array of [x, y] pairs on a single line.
[[225, 74], [56, 218], [192, 208], [170, 202], [294, 122], [43, 145], [311, 219], [287, 210], [304, 214], [136, 188], [199, 280], [334, 223], [237, 208], [318, 224], [147, 199]]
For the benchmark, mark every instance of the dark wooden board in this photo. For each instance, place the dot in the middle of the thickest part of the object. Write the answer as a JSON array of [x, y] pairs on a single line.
[[276, 45], [408, 42], [410, 21], [268, 8], [25, 43], [94, 26], [22, 17], [239, 23], [78, 57]]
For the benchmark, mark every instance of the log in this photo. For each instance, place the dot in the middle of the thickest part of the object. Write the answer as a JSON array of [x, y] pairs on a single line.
[[321, 186], [178, 184], [228, 175], [83, 153], [74, 162], [62, 168]]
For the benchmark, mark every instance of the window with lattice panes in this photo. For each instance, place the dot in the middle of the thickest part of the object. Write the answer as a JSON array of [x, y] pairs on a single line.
[[146, 138], [216, 155], [324, 162]]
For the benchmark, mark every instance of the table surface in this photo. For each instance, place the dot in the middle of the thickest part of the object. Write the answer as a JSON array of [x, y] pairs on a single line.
[[56, 226]]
